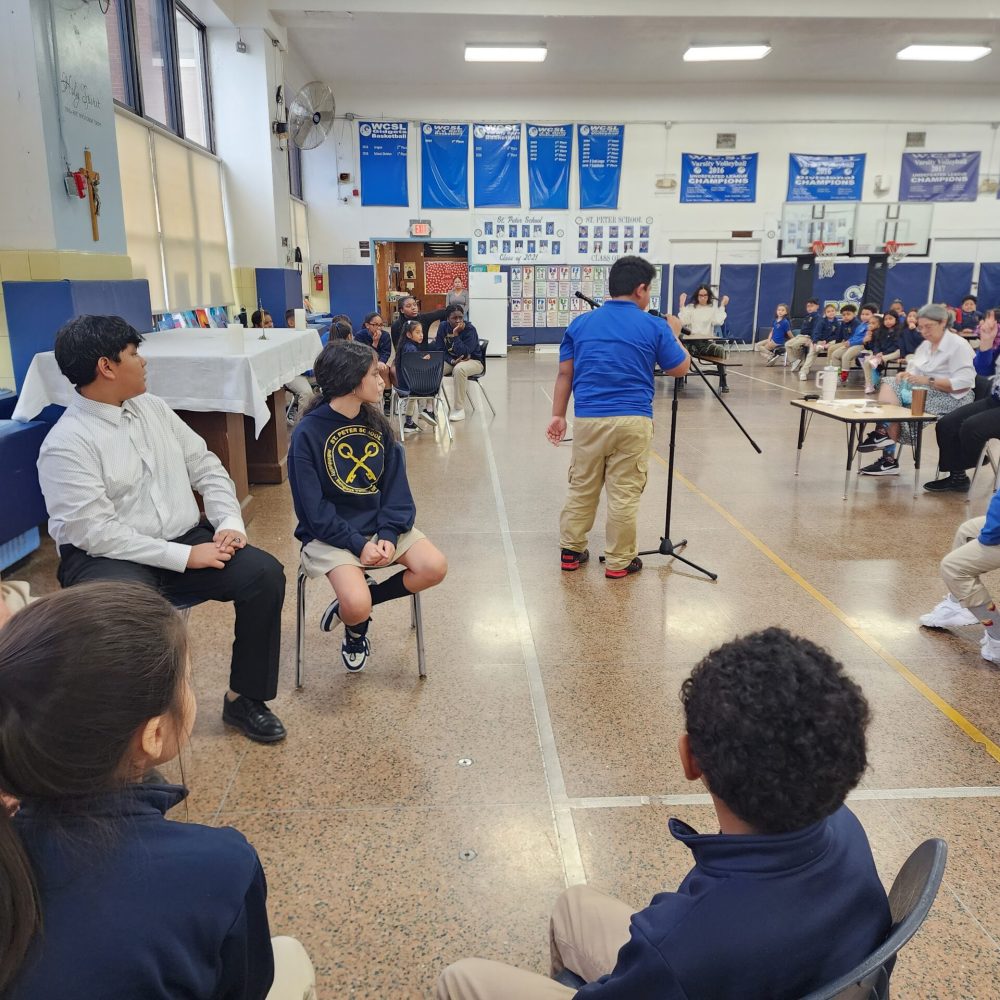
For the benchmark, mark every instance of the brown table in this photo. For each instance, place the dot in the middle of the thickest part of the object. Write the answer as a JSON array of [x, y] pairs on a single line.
[[855, 422]]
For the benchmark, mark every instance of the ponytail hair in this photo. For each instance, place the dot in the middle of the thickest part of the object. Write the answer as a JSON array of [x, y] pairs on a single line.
[[80, 672], [339, 369]]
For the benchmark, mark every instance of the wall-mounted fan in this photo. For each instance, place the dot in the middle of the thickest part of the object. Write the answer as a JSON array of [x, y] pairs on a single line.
[[310, 116]]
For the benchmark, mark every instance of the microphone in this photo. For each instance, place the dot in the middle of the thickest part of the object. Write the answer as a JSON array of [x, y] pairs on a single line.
[[590, 302]]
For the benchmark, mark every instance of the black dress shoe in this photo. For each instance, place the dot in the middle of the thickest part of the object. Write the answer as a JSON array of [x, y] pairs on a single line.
[[254, 719], [952, 483]]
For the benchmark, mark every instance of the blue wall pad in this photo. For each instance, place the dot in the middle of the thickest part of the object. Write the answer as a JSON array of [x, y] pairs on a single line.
[[687, 277], [37, 309], [352, 290], [909, 281], [848, 282], [777, 283], [952, 282], [739, 282], [278, 289], [22, 505], [988, 292]]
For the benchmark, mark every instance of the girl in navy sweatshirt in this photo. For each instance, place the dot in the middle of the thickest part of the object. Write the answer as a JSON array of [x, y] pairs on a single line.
[[352, 499]]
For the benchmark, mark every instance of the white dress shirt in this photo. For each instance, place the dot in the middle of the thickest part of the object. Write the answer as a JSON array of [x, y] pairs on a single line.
[[117, 482], [952, 360]]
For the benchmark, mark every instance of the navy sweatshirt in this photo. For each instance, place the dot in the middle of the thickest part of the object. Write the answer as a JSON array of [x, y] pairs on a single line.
[[466, 344], [348, 484], [157, 910], [384, 348], [759, 917], [970, 320], [884, 340], [909, 341], [809, 323], [827, 330], [424, 319]]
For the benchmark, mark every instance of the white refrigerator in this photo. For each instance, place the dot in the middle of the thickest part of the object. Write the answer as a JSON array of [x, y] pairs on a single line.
[[488, 309]]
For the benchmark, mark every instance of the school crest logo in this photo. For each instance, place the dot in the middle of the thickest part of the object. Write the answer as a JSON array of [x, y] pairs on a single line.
[[365, 129], [355, 459]]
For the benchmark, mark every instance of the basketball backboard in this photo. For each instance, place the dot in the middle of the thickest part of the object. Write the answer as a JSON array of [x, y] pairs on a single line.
[[802, 223], [903, 222]]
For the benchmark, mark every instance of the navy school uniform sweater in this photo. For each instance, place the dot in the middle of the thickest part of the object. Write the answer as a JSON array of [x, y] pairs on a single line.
[[465, 345], [808, 324], [759, 917], [384, 348], [152, 908], [969, 320], [348, 483], [848, 329], [826, 330], [909, 341]]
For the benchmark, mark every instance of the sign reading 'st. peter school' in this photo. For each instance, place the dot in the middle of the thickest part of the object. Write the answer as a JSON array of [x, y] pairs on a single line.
[[825, 177], [939, 177], [383, 162], [706, 178]]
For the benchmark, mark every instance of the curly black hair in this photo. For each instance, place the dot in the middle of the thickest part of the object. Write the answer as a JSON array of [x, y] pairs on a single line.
[[777, 728]]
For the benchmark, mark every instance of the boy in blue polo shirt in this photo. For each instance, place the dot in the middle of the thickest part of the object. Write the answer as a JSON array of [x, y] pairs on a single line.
[[784, 899], [606, 362]]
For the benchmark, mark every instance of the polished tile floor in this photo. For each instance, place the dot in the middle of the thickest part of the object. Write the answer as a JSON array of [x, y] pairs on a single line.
[[407, 823]]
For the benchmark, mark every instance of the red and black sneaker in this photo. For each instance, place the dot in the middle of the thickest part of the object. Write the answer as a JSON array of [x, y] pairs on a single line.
[[617, 574], [574, 560]]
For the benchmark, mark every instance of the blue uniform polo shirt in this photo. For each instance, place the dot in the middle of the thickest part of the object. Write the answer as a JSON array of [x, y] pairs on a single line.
[[613, 350]]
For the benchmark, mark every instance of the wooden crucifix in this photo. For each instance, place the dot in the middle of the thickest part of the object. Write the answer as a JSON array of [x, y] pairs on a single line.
[[93, 179]]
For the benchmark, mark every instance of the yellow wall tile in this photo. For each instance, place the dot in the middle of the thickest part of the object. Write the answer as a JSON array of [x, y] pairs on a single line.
[[73, 265], [14, 265], [6, 365], [45, 265]]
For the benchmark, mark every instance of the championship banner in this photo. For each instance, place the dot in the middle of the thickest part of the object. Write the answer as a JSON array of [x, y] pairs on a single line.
[[383, 163], [550, 150], [825, 177], [939, 177], [600, 156], [496, 158], [708, 178], [444, 166]]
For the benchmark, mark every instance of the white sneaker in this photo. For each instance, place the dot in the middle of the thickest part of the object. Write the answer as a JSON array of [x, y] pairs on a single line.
[[869, 389], [989, 648], [803, 378], [773, 360], [950, 613], [456, 415], [796, 364]]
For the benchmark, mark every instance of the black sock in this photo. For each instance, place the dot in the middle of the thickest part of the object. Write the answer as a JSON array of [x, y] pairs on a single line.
[[359, 630], [389, 590]]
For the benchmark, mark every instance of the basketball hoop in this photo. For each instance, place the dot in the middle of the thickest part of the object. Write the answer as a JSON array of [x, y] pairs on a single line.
[[895, 252], [825, 254]]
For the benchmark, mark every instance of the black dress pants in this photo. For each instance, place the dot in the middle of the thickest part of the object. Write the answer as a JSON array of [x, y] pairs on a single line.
[[253, 580], [962, 433]]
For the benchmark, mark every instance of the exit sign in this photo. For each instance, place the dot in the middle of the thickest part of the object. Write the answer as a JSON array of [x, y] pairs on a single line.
[[420, 227]]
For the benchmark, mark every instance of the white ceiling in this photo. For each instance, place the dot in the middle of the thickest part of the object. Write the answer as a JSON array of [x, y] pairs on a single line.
[[426, 48]]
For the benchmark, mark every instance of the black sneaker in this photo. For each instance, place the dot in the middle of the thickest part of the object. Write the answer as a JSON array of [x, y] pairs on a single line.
[[330, 618], [410, 425], [254, 719], [354, 651], [885, 466], [572, 560], [617, 574], [428, 414], [955, 483], [875, 441]]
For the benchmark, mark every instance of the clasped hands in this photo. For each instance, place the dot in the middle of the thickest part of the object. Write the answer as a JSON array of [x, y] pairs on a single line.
[[216, 553], [376, 554]]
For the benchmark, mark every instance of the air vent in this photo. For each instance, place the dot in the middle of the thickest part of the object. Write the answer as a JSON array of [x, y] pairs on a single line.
[[442, 249], [916, 140], [725, 140]]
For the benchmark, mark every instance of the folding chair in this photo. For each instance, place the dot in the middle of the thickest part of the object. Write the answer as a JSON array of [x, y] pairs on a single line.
[[416, 622], [423, 381], [481, 358], [986, 455]]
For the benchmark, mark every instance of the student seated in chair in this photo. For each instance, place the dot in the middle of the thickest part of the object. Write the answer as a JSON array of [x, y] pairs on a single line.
[[459, 341], [782, 900], [352, 499], [117, 472]]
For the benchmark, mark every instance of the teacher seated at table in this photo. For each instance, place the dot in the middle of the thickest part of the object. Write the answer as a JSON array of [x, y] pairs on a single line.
[[942, 365], [117, 472]]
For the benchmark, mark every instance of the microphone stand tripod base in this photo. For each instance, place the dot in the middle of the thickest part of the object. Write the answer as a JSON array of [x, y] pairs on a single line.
[[671, 550]]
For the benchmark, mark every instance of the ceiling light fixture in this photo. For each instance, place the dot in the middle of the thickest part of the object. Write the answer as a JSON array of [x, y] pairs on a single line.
[[944, 53], [480, 52], [725, 53]]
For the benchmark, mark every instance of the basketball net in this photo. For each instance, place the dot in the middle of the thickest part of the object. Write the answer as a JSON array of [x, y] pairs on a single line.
[[895, 252], [825, 254]]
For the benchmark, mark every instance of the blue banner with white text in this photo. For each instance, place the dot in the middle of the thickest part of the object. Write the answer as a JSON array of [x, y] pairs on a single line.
[[939, 177], [825, 177], [496, 160], [383, 163], [729, 177], [600, 157], [550, 150], [444, 166]]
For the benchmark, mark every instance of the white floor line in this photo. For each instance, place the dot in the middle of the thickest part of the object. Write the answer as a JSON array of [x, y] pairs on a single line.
[[569, 847]]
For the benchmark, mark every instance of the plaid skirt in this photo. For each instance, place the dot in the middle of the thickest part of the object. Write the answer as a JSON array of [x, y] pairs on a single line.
[[938, 403]]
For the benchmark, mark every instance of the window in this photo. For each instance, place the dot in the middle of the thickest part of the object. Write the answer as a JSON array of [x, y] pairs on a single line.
[[159, 69], [294, 170], [193, 77]]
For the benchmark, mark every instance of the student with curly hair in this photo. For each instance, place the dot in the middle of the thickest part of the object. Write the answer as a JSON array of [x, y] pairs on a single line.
[[783, 899]]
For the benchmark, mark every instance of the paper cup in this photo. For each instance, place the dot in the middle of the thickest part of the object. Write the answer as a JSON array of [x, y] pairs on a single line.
[[918, 401], [300, 319]]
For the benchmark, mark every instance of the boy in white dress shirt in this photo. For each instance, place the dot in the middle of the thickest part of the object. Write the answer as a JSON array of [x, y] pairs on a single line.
[[117, 472]]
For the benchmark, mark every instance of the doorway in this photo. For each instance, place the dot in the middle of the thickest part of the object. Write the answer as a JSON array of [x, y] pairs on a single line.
[[424, 269]]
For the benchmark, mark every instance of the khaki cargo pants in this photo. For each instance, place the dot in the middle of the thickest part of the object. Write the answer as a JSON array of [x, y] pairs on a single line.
[[610, 453]]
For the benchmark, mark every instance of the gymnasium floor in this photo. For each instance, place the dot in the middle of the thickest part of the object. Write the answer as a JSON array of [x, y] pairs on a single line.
[[405, 824]]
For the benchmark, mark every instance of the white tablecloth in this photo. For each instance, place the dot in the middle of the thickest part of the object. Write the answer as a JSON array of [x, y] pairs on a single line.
[[204, 370]]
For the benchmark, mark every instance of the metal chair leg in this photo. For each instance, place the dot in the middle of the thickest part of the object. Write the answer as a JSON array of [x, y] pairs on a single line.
[[438, 401], [985, 453], [489, 402], [418, 623], [300, 629]]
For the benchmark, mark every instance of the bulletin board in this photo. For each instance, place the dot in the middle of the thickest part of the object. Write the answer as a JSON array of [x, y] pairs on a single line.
[[439, 275]]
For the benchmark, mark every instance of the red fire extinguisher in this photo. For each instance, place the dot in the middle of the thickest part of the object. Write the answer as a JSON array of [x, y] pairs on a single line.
[[317, 277]]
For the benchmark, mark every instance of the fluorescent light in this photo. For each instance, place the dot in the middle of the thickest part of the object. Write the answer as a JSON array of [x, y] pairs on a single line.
[[944, 53], [505, 53], [720, 53]]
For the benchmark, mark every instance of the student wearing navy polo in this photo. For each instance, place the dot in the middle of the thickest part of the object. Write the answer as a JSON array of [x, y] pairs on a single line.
[[606, 362], [825, 333], [784, 899], [104, 897]]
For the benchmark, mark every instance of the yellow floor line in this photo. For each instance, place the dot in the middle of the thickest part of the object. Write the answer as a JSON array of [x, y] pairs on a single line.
[[951, 713]]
